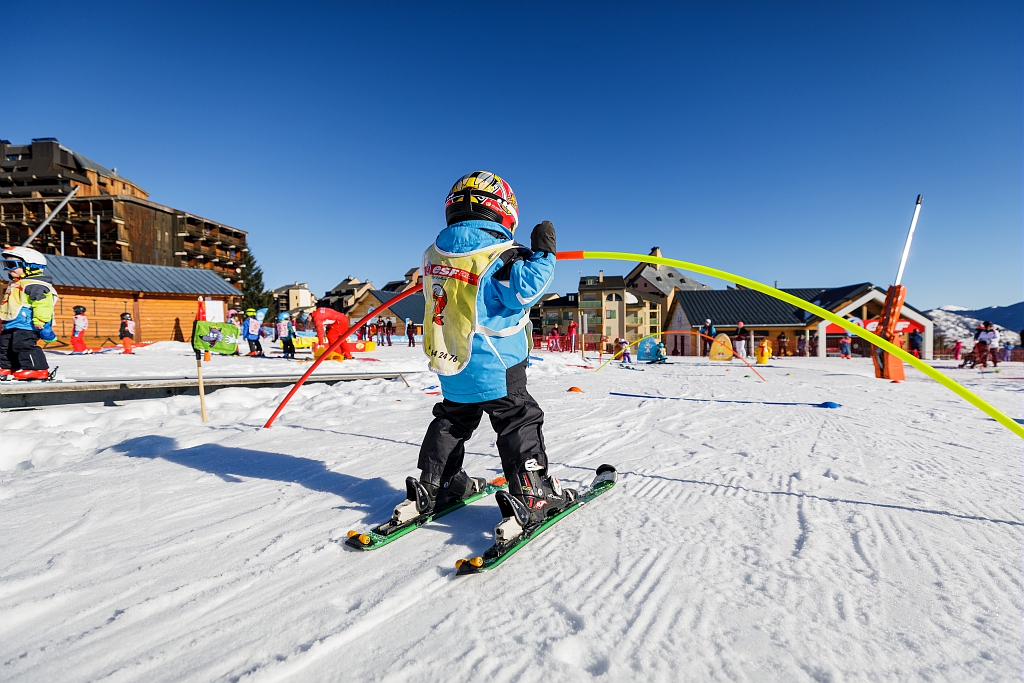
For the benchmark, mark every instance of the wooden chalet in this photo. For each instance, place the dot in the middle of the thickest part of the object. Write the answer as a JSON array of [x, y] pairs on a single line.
[[161, 299]]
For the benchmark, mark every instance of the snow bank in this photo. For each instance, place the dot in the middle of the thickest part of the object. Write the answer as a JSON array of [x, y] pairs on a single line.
[[753, 535]]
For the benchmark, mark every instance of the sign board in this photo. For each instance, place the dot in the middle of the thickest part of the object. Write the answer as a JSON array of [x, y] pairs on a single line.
[[217, 337], [903, 325], [214, 311], [647, 349], [721, 349]]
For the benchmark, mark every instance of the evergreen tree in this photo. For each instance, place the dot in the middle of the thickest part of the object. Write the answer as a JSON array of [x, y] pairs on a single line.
[[253, 293]]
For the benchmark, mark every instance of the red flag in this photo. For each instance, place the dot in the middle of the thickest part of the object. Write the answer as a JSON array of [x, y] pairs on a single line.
[[201, 311]]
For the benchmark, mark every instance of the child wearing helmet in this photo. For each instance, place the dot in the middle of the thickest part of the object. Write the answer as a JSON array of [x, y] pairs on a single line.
[[479, 286], [27, 313], [79, 324], [662, 354], [127, 332], [251, 332], [286, 332]]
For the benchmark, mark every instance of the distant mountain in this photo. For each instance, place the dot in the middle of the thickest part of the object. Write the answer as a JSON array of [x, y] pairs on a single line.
[[1010, 317], [955, 322]]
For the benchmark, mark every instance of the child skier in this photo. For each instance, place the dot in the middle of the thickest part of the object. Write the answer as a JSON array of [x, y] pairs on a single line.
[[479, 287], [251, 332], [127, 332], [27, 313], [662, 354], [331, 324], [79, 325], [844, 347], [624, 351], [286, 332]]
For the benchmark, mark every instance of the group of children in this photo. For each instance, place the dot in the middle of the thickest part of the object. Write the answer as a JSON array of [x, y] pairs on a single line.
[[26, 315], [80, 323]]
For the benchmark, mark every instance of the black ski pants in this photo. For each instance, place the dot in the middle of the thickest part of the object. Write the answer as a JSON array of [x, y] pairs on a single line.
[[517, 419], [288, 347], [18, 351]]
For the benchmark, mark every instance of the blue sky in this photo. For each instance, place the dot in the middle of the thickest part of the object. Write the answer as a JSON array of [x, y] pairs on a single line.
[[780, 141]]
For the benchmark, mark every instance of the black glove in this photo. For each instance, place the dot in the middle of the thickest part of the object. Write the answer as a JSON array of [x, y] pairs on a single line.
[[543, 238]]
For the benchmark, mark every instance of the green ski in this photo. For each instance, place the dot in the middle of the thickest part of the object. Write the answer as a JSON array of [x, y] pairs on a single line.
[[604, 480], [389, 531]]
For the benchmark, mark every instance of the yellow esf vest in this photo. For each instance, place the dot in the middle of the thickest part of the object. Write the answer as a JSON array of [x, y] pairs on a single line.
[[451, 283], [14, 299]]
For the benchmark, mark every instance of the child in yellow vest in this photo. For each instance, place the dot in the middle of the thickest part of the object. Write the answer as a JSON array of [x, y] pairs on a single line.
[[27, 313], [479, 286]]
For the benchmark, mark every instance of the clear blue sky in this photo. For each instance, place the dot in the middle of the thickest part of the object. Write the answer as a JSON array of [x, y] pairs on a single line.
[[781, 141]]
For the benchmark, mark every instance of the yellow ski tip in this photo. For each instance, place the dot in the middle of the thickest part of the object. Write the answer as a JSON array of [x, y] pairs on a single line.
[[352, 532], [459, 563], [477, 562]]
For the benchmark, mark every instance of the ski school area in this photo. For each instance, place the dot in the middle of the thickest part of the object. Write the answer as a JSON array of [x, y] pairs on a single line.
[[816, 524]]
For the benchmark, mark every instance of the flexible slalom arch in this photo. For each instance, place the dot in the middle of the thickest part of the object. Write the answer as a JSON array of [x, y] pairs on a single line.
[[954, 386]]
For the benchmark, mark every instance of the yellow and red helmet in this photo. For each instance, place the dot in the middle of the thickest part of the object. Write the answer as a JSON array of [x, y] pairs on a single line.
[[481, 195]]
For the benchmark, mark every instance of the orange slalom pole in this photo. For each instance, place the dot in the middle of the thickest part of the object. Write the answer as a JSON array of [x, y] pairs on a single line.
[[334, 345]]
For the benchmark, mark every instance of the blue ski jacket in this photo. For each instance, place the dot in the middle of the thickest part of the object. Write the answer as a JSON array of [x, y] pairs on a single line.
[[507, 291]]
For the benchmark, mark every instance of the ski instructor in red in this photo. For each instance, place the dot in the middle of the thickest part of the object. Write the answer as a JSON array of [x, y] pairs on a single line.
[[479, 286]]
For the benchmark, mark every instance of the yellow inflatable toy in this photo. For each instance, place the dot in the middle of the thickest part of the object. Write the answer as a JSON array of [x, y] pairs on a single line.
[[721, 348], [763, 352]]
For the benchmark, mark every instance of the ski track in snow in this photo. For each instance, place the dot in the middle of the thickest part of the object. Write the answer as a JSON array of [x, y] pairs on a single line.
[[744, 542]]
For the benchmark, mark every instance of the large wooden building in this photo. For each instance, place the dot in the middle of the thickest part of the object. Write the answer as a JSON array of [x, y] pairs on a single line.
[[109, 218], [161, 299]]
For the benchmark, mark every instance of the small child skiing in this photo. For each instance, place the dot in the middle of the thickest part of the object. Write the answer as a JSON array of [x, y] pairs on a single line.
[[958, 349], [127, 332], [80, 324], [844, 347], [251, 332], [662, 354], [624, 351], [286, 333], [27, 315], [479, 286]]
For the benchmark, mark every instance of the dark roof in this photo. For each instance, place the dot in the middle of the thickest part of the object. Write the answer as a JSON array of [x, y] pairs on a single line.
[[610, 282], [86, 162], [727, 307], [411, 307], [70, 271], [571, 299]]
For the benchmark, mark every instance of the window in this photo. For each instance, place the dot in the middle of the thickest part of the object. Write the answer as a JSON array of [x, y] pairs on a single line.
[[609, 314], [613, 297]]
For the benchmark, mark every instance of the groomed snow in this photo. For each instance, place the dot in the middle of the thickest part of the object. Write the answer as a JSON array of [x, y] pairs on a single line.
[[753, 535]]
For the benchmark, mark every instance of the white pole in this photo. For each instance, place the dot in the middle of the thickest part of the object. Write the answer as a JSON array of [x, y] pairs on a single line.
[[98, 238], [61, 242], [910, 237]]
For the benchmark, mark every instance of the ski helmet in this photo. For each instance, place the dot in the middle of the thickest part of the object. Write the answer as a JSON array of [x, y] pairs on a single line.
[[23, 257], [79, 310], [283, 316], [251, 312], [126, 316], [482, 196]]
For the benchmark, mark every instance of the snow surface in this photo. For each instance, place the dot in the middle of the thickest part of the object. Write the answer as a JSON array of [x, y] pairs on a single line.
[[753, 535]]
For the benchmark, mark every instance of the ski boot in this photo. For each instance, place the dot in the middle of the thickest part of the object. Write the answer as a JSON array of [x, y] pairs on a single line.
[[425, 497], [31, 374], [5, 373], [532, 497]]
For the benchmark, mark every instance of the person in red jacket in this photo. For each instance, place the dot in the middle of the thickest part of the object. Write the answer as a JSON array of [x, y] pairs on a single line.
[[331, 324]]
